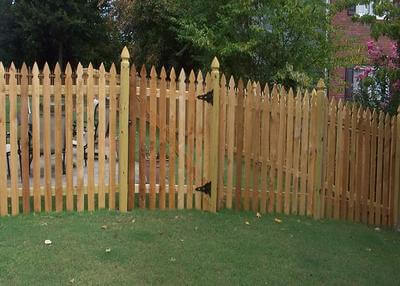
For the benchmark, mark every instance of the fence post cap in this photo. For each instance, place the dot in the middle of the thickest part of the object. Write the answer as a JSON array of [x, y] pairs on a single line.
[[125, 54], [321, 85], [215, 64]]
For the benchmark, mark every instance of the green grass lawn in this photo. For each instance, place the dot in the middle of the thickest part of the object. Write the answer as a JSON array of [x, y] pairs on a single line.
[[193, 248]]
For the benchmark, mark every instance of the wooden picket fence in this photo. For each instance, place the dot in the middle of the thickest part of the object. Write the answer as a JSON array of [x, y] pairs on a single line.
[[92, 139], [303, 154]]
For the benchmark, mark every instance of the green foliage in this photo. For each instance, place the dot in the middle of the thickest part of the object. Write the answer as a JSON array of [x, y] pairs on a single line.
[[266, 40], [56, 30]]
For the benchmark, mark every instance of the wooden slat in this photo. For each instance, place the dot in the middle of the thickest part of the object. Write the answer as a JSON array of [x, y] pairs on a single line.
[[79, 139], [101, 137], [199, 141], [3, 160], [68, 137], [296, 154], [181, 140], [90, 138], [248, 134], [331, 158], [256, 144], [24, 141], [396, 184], [373, 161], [345, 167], [58, 138], [265, 141], [239, 143], [379, 169], [281, 147], [230, 140], [324, 154], [339, 161], [222, 141], [273, 149], [191, 135], [162, 136], [207, 136], [359, 152], [366, 164], [35, 138], [153, 120], [111, 137], [289, 151], [353, 165], [312, 152], [47, 138], [304, 154], [172, 138], [323, 157], [133, 113], [393, 177], [386, 171]]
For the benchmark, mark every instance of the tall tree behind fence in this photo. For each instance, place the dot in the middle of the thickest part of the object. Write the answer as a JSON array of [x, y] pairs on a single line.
[[93, 139]]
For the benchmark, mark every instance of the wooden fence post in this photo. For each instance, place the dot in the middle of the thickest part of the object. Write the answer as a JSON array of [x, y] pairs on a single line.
[[214, 146], [396, 197], [319, 163], [123, 131]]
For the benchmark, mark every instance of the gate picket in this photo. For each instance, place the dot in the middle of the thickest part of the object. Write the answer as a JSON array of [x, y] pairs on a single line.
[[162, 135], [199, 140], [191, 135], [111, 137], [181, 139], [152, 133], [172, 138]]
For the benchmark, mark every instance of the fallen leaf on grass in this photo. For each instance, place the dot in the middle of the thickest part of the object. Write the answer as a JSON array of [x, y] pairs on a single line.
[[104, 227], [133, 221], [172, 259], [277, 220], [368, 249], [258, 215], [247, 223], [108, 250], [47, 242], [377, 229], [72, 280]]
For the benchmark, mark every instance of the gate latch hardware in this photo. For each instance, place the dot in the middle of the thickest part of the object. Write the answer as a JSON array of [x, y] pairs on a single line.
[[209, 97], [206, 188]]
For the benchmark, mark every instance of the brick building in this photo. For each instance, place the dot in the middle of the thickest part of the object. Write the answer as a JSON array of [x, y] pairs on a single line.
[[344, 80]]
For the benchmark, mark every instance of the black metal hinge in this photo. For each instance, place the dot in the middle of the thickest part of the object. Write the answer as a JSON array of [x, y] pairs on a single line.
[[209, 97], [205, 189]]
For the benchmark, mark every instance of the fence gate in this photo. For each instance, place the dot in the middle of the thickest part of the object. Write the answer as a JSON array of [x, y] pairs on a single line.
[[173, 126]]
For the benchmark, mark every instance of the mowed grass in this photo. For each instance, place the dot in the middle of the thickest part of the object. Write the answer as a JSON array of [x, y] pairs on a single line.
[[193, 248]]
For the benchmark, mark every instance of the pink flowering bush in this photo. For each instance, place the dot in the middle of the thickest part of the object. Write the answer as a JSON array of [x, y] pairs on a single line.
[[379, 83]]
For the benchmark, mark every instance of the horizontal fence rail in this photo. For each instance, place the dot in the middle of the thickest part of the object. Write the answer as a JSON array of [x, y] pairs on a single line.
[[87, 139]]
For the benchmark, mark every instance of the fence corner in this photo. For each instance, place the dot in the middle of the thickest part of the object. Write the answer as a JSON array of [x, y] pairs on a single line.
[[123, 149]]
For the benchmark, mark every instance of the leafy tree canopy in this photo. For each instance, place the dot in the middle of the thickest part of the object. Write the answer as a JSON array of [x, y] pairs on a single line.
[[56, 30], [266, 40]]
